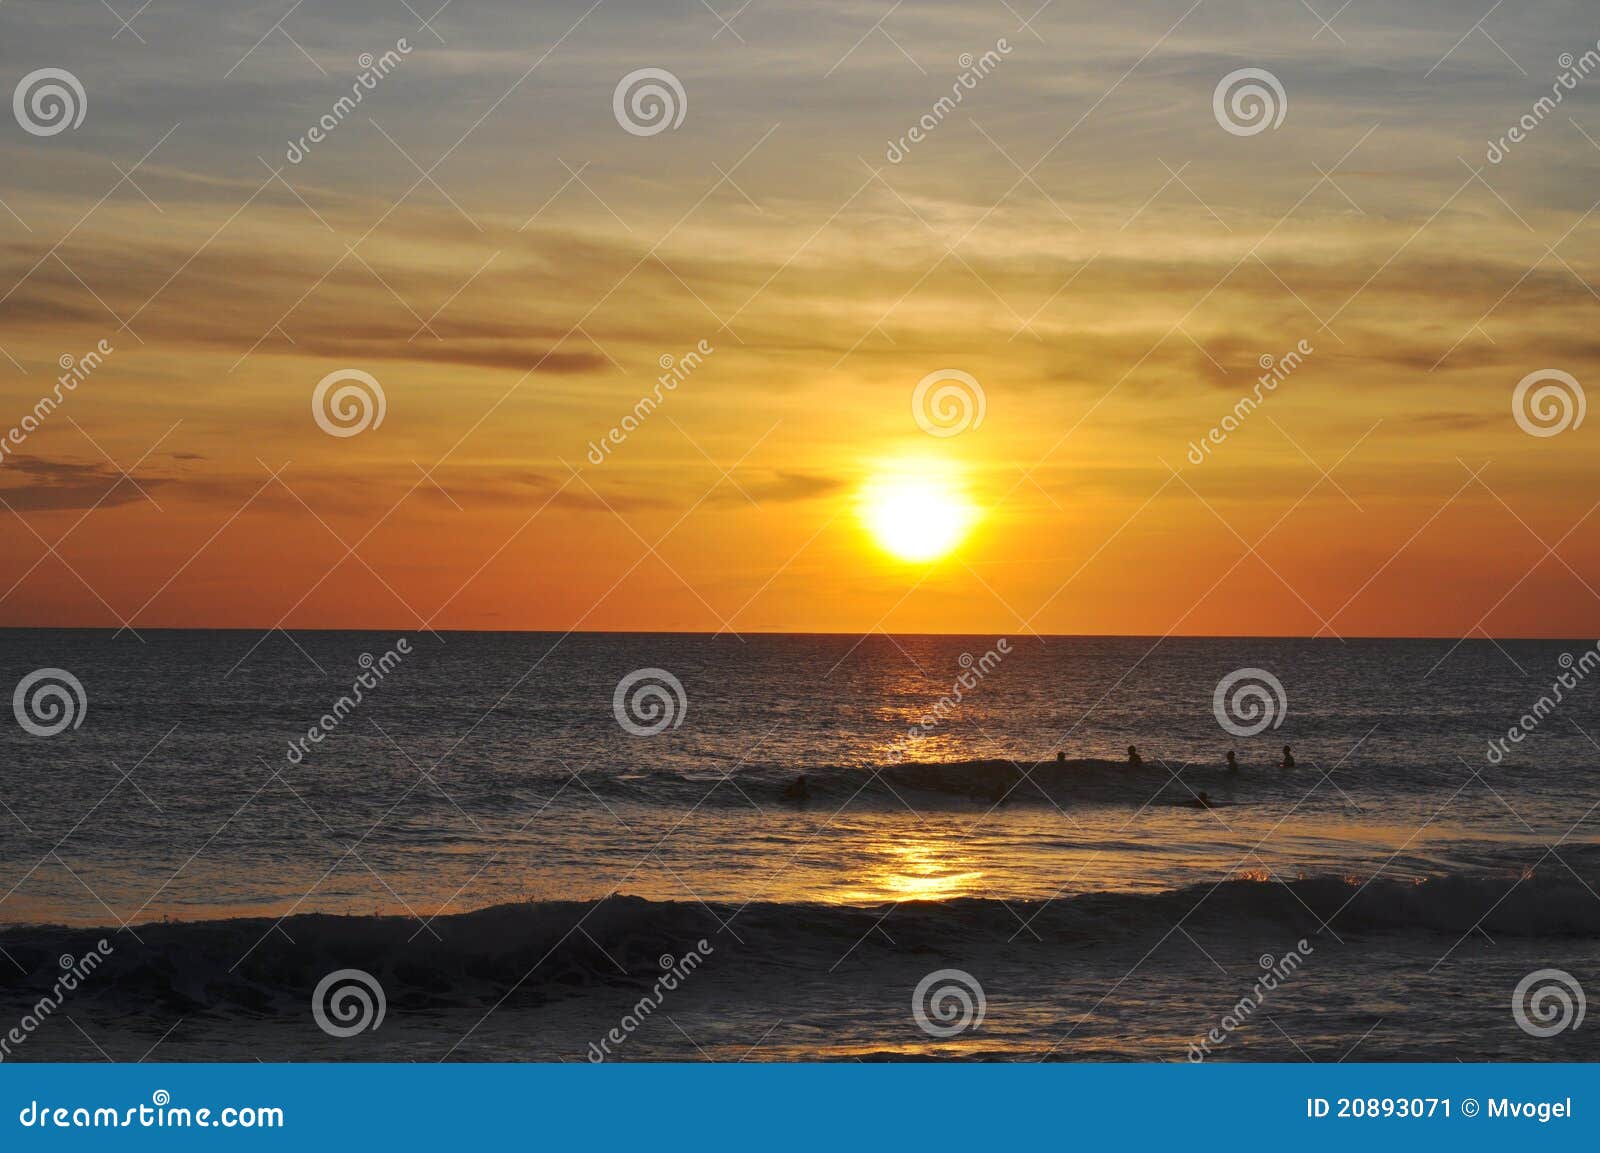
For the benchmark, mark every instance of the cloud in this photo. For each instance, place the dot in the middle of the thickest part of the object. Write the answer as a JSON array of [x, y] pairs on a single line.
[[51, 485], [779, 488], [1451, 421]]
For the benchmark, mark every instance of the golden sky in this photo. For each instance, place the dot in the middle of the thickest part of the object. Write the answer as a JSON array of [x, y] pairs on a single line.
[[1081, 235]]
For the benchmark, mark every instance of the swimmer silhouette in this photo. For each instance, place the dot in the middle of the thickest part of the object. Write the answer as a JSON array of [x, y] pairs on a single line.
[[1233, 762], [797, 790], [1288, 758], [1134, 760]]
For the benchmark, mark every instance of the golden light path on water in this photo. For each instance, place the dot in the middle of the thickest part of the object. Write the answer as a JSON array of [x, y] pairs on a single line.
[[914, 869]]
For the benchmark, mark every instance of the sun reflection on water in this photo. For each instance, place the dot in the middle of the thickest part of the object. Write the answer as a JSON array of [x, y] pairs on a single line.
[[915, 869]]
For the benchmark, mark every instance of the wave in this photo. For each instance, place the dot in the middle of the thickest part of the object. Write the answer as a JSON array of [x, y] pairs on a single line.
[[953, 784], [546, 950], [976, 781]]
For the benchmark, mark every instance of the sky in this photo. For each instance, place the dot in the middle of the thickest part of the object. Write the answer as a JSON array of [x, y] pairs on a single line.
[[1101, 250]]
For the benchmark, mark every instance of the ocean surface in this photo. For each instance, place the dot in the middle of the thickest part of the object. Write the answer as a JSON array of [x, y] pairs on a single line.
[[497, 832]]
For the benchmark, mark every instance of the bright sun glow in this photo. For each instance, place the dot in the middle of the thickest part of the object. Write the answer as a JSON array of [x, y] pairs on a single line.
[[917, 517]]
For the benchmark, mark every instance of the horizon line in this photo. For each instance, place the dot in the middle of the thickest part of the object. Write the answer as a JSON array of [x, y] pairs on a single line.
[[795, 633]]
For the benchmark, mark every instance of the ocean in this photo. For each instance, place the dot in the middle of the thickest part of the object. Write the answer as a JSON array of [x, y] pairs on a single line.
[[514, 836]]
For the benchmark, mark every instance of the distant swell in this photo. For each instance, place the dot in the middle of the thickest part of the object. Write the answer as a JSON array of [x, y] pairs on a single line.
[[553, 949], [986, 781]]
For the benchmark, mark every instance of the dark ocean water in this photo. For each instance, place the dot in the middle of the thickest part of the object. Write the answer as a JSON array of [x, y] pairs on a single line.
[[1113, 914]]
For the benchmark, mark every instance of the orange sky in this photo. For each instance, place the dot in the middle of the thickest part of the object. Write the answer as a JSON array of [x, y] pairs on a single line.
[[1080, 235]]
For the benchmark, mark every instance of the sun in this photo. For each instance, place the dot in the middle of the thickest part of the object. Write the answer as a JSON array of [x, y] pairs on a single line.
[[918, 516]]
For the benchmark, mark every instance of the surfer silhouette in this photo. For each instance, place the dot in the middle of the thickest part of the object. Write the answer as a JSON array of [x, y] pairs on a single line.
[[1288, 758], [1135, 761]]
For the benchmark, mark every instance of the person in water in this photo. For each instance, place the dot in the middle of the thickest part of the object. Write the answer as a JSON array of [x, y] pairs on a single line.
[[797, 790], [1061, 756], [1135, 761], [1203, 800], [1288, 759], [1233, 762]]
